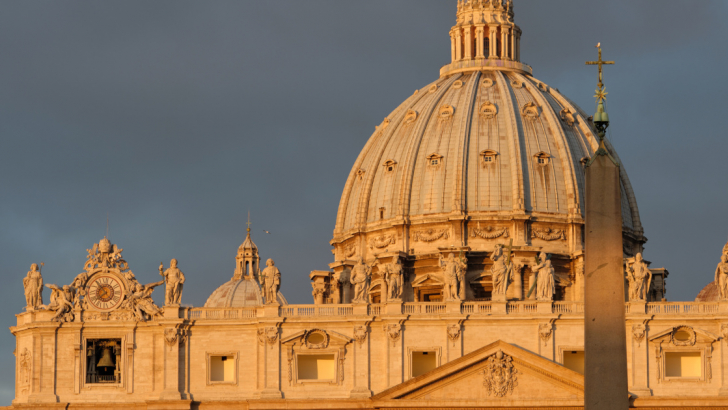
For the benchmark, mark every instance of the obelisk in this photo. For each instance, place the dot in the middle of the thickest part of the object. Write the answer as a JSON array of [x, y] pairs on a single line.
[[605, 348]]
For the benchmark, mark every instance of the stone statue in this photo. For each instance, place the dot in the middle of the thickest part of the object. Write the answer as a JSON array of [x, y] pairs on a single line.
[[271, 282], [61, 303], [33, 286], [393, 272], [500, 273], [174, 279], [78, 284], [721, 276], [360, 274], [452, 269], [141, 303], [545, 282], [639, 277]]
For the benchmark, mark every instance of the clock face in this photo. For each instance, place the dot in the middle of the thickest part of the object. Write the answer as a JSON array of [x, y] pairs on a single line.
[[105, 292]]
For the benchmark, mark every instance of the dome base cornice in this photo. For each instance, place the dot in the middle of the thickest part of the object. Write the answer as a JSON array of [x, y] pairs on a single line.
[[485, 64]]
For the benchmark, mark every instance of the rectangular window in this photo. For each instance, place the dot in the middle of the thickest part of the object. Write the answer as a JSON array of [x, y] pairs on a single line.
[[574, 360], [316, 367], [423, 362], [222, 369], [103, 361], [683, 364]]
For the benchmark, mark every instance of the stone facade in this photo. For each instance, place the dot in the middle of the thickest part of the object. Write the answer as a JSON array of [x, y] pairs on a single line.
[[466, 197]]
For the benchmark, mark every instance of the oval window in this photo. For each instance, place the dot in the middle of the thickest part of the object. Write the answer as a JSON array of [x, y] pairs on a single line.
[[682, 336], [316, 338]]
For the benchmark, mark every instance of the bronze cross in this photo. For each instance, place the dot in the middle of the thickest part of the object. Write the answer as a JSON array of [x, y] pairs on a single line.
[[600, 63], [248, 223]]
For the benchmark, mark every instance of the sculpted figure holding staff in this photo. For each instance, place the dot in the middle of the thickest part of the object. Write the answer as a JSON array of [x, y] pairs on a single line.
[[174, 280]]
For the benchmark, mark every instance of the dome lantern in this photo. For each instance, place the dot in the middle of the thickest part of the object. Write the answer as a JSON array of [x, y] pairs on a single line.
[[485, 38]]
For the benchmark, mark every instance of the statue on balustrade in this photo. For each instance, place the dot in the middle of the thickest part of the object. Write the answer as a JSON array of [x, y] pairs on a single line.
[[393, 273], [61, 303], [545, 282], [360, 275], [271, 282], [639, 277], [721, 276], [141, 303], [174, 280], [33, 287], [500, 272], [453, 273]]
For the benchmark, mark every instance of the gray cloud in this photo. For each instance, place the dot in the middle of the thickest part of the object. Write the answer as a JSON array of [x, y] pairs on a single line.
[[177, 117]]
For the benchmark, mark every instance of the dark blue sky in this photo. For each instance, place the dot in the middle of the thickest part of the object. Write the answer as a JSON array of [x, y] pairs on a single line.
[[176, 117]]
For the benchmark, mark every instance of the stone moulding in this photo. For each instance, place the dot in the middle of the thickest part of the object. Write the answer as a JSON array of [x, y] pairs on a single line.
[[430, 235], [548, 234], [382, 241], [489, 232]]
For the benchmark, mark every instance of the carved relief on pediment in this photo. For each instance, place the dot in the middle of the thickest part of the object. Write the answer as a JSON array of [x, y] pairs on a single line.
[[500, 375]]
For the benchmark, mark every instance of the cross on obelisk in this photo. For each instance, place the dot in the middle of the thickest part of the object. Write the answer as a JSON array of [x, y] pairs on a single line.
[[600, 63], [605, 348]]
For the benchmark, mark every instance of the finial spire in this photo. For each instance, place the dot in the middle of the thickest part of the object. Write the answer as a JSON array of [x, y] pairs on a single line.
[[601, 118], [248, 223]]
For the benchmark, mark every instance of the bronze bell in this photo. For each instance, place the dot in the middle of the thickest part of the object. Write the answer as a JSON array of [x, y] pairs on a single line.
[[106, 360]]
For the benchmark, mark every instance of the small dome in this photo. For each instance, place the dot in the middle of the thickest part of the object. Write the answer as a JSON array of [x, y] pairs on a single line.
[[239, 293], [708, 294]]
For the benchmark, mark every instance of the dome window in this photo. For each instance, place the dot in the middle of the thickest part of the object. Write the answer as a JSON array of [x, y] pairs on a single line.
[[488, 157], [434, 160], [530, 111], [389, 166], [542, 158], [567, 117], [457, 84], [446, 112], [433, 88], [488, 110], [360, 173], [486, 83], [410, 117], [517, 84]]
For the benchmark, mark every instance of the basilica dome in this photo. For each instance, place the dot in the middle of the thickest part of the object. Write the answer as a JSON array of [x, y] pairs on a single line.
[[486, 140], [485, 154]]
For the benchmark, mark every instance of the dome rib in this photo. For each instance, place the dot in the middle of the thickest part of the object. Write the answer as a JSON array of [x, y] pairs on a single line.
[[567, 165], [517, 184], [408, 177]]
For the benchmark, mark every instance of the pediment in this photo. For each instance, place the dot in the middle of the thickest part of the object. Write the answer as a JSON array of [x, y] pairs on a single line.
[[427, 280], [499, 373], [317, 339]]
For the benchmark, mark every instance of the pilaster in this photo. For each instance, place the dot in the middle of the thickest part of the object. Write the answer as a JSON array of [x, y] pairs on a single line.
[[479, 41], [361, 367], [272, 357], [171, 361], [43, 377]]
